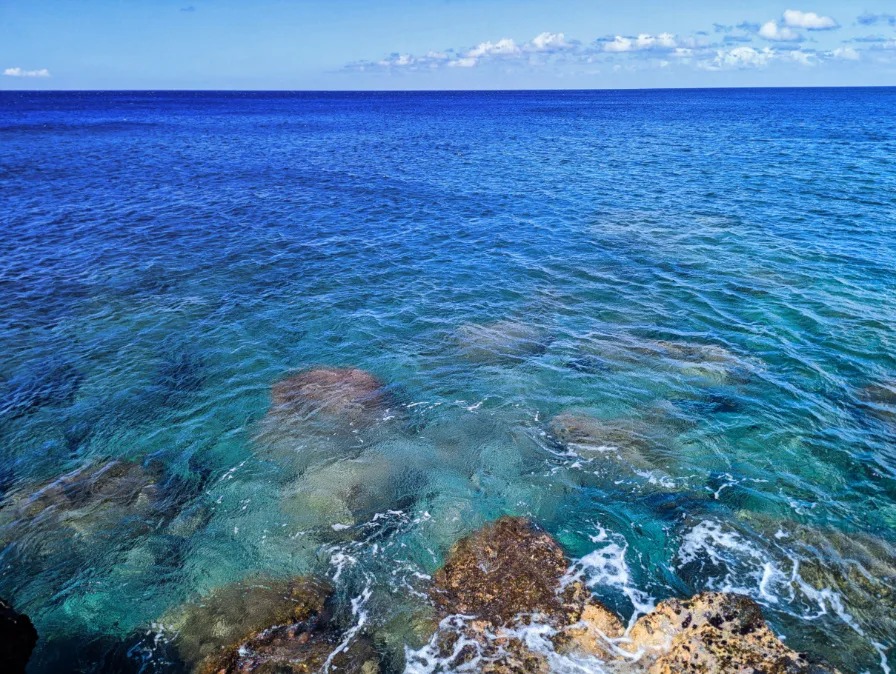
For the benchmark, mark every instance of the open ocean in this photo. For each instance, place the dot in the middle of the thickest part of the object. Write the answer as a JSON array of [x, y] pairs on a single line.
[[706, 277]]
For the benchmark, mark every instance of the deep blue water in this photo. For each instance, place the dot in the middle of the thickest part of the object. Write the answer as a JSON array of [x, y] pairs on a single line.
[[710, 273]]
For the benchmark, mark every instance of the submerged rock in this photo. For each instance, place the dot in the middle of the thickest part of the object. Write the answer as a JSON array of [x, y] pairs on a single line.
[[501, 341], [880, 398], [348, 394], [86, 502], [267, 626], [17, 639], [627, 441]]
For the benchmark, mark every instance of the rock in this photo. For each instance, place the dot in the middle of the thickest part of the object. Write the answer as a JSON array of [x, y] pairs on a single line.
[[507, 568], [509, 574], [880, 398], [591, 634], [17, 639], [501, 575], [294, 649], [88, 502], [721, 633], [627, 441], [500, 341], [346, 394], [211, 628]]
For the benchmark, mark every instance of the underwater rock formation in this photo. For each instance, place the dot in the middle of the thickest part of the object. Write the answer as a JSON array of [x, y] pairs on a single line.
[[623, 441], [880, 398], [509, 574], [323, 414], [17, 639], [266, 625], [501, 341], [84, 503], [348, 394]]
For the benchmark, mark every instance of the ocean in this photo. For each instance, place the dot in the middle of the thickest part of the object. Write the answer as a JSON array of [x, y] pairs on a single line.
[[660, 324]]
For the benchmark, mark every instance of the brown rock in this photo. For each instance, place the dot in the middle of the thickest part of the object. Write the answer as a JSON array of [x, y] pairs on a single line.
[[504, 569], [347, 393], [212, 628]]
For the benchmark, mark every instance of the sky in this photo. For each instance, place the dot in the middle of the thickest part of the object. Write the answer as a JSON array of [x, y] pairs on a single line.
[[444, 44]]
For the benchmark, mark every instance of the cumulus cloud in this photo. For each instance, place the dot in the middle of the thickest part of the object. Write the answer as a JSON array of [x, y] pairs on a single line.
[[549, 43], [18, 72], [775, 33], [644, 42], [869, 19], [808, 20], [741, 57], [845, 54]]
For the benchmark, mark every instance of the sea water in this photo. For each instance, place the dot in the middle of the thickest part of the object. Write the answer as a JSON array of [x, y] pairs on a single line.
[[710, 273]]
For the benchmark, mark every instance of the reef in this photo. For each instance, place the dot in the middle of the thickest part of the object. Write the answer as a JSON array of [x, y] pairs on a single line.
[[348, 394], [17, 639], [510, 574], [266, 626], [500, 342]]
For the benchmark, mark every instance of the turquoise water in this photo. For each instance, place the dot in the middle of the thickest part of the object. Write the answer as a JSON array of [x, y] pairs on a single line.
[[709, 274]]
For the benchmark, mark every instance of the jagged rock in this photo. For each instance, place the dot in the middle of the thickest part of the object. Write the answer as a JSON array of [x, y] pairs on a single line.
[[507, 568], [501, 575], [17, 639], [714, 632], [500, 341], [510, 573]]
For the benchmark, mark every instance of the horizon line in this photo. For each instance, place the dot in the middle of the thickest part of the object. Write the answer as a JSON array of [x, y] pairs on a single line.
[[422, 91]]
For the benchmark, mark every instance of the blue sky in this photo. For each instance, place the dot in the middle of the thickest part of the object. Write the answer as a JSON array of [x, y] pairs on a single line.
[[443, 44]]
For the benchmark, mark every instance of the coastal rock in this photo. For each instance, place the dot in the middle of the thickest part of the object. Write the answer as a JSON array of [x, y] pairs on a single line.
[[17, 639], [294, 649], [510, 574], [504, 575], [500, 341], [504, 569], [713, 632]]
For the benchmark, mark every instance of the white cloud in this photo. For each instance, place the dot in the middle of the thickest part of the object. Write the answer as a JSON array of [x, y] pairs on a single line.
[[549, 42], [772, 31], [808, 20], [845, 54], [505, 47], [742, 57], [18, 72], [645, 41]]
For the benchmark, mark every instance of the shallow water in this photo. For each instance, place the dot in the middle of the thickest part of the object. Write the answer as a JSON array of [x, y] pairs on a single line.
[[708, 274]]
